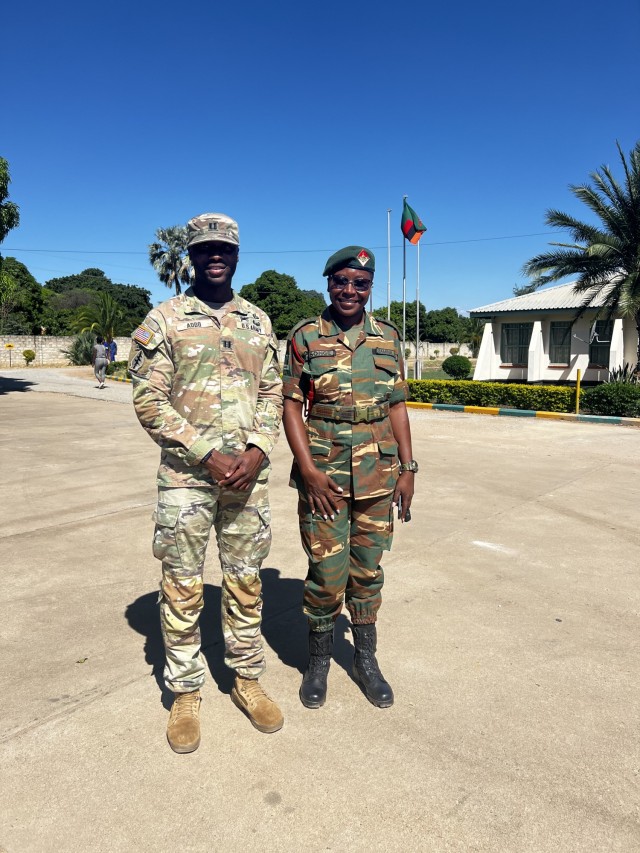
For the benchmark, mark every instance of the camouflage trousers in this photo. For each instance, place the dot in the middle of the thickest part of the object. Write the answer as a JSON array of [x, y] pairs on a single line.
[[184, 518], [344, 559]]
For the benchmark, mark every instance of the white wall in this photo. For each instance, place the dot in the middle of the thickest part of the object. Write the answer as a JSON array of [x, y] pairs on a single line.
[[539, 369]]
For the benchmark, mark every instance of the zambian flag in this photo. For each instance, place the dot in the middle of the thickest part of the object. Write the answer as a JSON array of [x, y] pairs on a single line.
[[411, 224]]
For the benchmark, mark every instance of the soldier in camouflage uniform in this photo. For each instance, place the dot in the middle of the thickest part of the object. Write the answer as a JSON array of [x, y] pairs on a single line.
[[353, 465], [207, 389]]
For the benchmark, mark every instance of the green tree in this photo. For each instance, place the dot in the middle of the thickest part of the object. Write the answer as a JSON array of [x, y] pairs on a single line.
[[9, 210], [103, 316], [410, 316], [75, 291], [25, 316], [444, 324], [8, 297], [169, 258], [605, 258], [472, 334], [281, 298]]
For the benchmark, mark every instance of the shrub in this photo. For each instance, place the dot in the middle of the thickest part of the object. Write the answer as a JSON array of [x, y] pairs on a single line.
[[457, 366], [540, 398], [617, 399], [117, 367], [28, 355], [454, 350], [81, 348], [627, 374]]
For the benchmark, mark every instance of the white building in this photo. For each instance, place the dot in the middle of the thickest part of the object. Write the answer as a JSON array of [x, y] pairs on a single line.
[[540, 338]]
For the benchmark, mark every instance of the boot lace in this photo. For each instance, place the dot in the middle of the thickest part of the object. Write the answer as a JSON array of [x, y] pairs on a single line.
[[185, 705]]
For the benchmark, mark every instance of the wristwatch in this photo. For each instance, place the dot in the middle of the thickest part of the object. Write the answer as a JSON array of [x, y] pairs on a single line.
[[409, 466]]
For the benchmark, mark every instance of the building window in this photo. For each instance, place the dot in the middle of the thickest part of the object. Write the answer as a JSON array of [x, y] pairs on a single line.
[[560, 342], [514, 343], [600, 344]]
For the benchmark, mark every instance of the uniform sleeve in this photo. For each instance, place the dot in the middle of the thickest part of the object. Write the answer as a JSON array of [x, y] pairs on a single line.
[[268, 414], [293, 365], [400, 393], [152, 371]]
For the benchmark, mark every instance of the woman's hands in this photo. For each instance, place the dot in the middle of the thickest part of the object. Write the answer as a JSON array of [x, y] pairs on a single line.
[[403, 493], [322, 492]]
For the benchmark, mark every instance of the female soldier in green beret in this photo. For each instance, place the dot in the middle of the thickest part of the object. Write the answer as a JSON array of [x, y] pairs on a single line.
[[353, 465]]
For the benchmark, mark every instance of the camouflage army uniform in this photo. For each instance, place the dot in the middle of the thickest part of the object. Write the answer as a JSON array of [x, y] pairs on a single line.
[[348, 393], [202, 383]]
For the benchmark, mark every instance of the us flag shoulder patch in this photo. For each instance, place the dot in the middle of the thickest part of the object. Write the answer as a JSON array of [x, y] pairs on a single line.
[[143, 334]]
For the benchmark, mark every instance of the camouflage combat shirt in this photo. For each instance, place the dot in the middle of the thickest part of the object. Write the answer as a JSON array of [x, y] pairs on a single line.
[[202, 383], [321, 369]]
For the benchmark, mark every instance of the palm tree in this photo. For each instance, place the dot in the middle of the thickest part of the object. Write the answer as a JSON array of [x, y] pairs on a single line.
[[605, 258], [102, 316], [169, 256]]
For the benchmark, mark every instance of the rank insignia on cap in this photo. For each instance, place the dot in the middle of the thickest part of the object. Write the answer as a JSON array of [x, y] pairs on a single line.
[[143, 334], [363, 257]]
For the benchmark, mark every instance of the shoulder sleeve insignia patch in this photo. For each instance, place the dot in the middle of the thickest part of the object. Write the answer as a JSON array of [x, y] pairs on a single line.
[[143, 334]]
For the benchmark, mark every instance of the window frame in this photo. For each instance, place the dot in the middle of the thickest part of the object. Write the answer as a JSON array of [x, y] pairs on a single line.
[[559, 348], [521, 347], [604, 328]]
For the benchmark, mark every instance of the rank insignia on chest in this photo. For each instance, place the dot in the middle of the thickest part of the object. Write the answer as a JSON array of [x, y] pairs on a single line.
[[227, 343], [317, 353], [390, 352]]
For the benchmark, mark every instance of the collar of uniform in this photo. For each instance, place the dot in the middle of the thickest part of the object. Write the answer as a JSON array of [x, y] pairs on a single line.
[[329, 328], [193, 305]]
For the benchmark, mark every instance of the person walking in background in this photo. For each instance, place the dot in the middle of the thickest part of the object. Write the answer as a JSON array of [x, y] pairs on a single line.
[[99, 360], [346, 369], [207, 389], [113, 350]]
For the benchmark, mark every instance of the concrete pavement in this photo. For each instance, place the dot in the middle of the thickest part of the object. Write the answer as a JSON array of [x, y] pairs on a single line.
[[509, 632]]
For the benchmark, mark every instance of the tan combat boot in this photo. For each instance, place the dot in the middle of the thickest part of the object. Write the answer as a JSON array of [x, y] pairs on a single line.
[[183, 728], [263, 712]]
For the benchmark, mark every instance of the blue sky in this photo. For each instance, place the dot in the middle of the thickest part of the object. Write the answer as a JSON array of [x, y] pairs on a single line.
[[306, 123]]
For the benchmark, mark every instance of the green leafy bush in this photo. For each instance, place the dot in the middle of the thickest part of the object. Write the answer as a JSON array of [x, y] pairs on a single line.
[[457, 366], [117, 367], [28, 355], [454, 350], [540, 398], [617, 399], [81, 348]]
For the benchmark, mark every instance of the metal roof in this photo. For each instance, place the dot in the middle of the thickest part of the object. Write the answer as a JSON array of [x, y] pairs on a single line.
[[557, 298]]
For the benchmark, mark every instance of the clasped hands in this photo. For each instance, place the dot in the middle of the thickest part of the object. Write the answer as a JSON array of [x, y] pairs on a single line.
[[236, 472]]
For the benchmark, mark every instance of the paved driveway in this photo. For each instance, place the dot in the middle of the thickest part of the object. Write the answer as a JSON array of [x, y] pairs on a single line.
[[509, 631]]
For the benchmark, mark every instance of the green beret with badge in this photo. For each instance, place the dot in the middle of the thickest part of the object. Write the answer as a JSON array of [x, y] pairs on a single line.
[[351, 257]]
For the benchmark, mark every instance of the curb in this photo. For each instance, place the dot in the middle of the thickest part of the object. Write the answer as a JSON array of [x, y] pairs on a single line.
[[118, 379], [526, 413]]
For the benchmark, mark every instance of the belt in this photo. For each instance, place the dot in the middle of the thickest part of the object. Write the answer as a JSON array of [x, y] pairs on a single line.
[[350, 414]]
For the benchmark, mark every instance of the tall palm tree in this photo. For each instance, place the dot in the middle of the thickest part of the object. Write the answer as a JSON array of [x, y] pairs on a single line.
[[103, 315], [169, 257], [605, 258]]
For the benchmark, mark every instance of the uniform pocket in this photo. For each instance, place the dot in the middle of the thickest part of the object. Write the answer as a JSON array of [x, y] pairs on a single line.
[[387, 463], [319, 538], [326, 383], [181, 536]]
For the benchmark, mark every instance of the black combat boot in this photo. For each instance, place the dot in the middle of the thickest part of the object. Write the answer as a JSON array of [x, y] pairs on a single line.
[[313, 690], [366, 671]]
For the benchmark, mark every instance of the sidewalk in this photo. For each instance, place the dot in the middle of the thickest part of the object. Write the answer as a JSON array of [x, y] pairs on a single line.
[[509, 632]]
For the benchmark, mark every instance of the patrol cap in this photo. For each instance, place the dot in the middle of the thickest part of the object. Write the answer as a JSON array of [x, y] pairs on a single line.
[[352, 257], [212, 226]]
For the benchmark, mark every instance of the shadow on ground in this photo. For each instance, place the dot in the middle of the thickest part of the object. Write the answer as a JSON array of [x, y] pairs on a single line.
[[284, 629], [8, 385]]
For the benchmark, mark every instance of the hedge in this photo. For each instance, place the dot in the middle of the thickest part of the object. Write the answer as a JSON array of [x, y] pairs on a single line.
[[620, 399], [539, 398]]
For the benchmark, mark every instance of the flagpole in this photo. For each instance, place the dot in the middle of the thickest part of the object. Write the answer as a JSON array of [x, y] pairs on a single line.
[[404, 291], [389, 264], [417, 373]]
